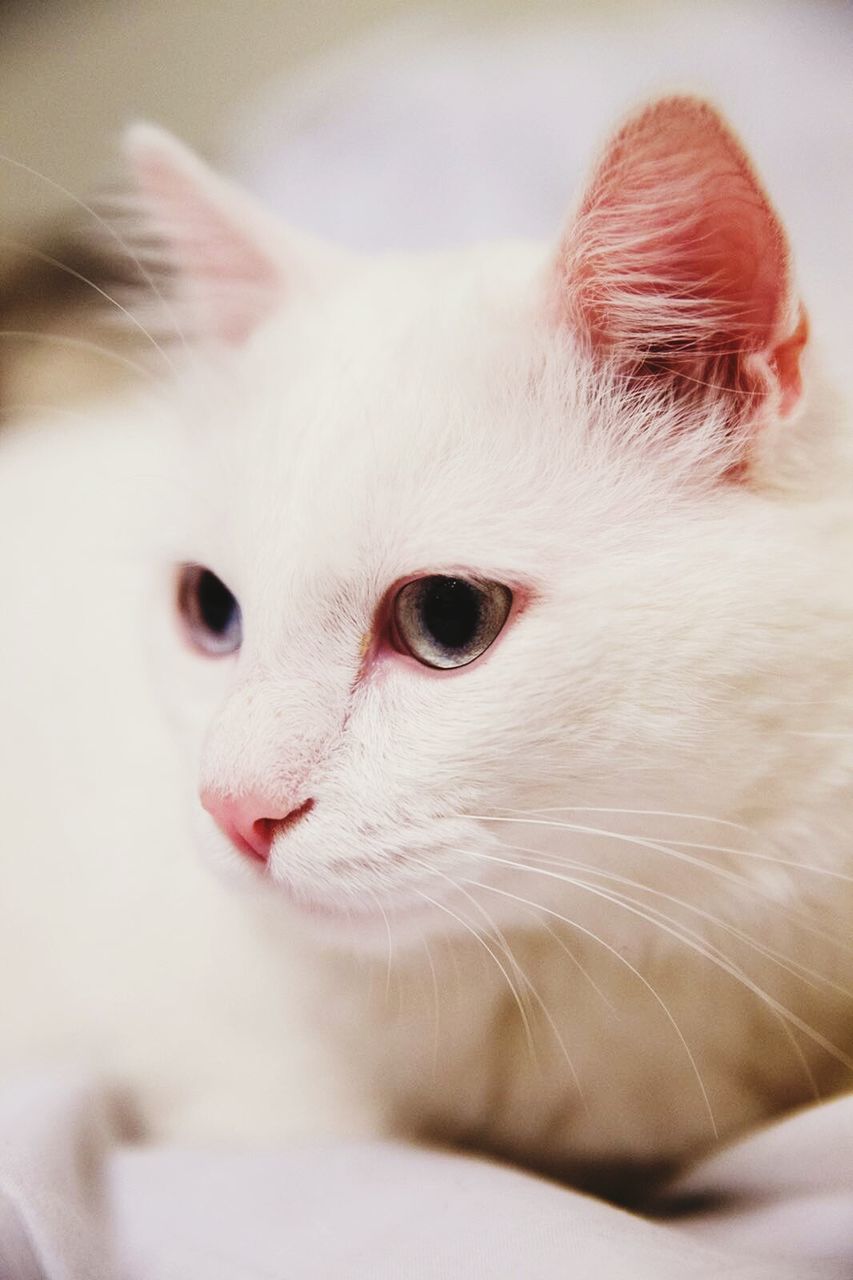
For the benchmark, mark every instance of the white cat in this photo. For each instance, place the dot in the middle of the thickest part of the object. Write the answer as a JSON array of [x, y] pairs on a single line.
[[524, 715], [539, 640]]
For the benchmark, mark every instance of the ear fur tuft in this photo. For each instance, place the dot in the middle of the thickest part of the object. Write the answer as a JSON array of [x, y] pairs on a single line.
[[676, 269]]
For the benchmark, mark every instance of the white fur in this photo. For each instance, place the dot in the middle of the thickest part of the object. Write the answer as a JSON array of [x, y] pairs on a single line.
[[686, 651]]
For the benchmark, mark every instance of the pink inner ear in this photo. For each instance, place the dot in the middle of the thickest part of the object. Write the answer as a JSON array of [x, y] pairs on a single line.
[[677, 266], [225, 270]]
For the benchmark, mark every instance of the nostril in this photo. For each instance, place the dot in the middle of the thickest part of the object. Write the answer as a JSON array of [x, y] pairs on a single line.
[[265, 830], [262, 836], [291, 819], [250, 835]]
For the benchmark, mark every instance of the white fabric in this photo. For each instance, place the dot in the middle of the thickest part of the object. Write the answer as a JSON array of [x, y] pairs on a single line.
[[78, 1202]]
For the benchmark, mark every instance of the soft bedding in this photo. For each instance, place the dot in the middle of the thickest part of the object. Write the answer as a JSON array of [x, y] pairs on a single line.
[[80, 1201]]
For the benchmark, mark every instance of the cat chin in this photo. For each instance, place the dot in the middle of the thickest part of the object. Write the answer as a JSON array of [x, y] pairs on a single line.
[[330, 917], [404, 921], [336, 923]]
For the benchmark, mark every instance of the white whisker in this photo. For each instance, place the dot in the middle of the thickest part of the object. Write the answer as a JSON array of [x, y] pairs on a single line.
[[620, 899], [573, 924], [813, 868], [528, 984], [474, 933], [81, 344], [648, 813], [78, 275], [390, 962], [436, 1033], [110, 230], [561, 943], [641, 842], [495, 931], [794, 967]]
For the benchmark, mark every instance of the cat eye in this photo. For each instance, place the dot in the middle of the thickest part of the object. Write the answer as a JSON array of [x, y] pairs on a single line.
[[448, 622], [209, 611]]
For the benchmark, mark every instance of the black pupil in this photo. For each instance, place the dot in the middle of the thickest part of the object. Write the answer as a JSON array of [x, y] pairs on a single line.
[[216, 605], [450, 609]]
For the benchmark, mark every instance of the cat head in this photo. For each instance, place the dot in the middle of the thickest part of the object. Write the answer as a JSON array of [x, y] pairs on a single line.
[[480, 541]]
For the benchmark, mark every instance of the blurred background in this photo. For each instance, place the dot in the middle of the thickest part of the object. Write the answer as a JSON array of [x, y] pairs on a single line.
[[72, 71], [390, 122]]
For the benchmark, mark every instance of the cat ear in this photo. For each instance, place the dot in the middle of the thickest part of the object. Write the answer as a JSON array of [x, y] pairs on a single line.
[[233, 260], [676, 270]]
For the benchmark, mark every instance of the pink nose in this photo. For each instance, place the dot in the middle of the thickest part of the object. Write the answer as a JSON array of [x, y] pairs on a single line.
[[251, 822]]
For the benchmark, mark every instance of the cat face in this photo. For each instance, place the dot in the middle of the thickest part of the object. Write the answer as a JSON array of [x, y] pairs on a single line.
[[476, 538]]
